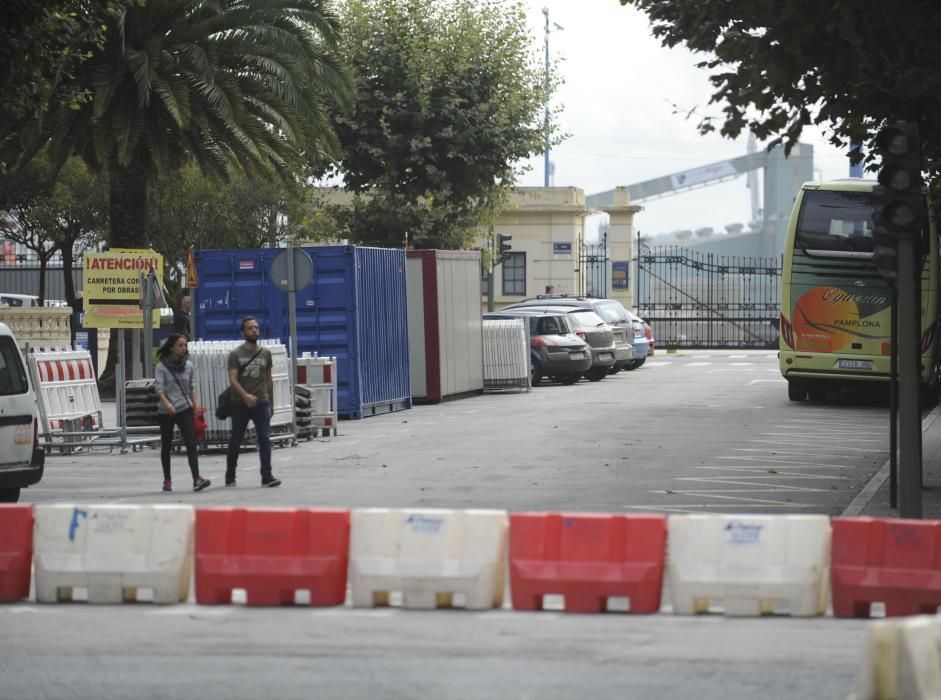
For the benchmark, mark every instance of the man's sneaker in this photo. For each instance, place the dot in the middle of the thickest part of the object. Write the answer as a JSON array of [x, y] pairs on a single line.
[[200, 483], [269, 481], [230, 482], [167, 485]]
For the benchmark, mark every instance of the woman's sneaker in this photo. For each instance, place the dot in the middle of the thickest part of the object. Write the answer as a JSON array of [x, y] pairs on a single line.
[[269, 481], [167, 485], [200, 483]]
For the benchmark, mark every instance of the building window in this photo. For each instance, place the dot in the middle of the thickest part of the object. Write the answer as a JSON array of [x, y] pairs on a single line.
[[514, 275]]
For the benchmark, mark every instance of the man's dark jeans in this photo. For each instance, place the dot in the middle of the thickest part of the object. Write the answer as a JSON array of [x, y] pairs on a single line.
[[260, 416]]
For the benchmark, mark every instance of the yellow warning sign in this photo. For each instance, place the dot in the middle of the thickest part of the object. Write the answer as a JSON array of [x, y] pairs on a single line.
[[192, 280], [112, 288]]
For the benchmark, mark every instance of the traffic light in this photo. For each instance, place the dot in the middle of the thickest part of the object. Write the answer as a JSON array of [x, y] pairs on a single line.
[[503, 243], [900, 203]]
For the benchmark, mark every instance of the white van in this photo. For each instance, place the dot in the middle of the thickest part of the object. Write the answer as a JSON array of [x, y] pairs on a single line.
[[18, 301], [21, 458]]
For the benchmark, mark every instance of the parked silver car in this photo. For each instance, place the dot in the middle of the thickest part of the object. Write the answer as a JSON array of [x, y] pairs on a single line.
[[598, 334], [611, 311]]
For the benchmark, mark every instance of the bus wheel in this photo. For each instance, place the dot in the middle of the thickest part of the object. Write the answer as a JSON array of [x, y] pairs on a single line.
[[796, 392]]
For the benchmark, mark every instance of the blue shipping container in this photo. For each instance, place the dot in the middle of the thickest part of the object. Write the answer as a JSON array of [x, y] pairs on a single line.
[[354, 310]]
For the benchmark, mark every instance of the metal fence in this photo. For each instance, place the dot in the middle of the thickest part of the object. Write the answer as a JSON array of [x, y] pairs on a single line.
[[703, 300], [20, 274]]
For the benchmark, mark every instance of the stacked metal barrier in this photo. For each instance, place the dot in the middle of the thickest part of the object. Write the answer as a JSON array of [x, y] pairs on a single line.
[[315, 396], [210, 359], [506, 355]]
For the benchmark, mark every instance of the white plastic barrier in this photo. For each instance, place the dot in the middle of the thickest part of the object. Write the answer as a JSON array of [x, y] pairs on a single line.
[[901, 660], [429, 556], [67, 390], [753, 564], [506, 355], [112, 551], [210, 360]]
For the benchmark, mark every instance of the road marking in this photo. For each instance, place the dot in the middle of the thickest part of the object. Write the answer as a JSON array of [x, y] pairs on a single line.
[[765, 488], [785, 461], [828, 438], [763, 471], [760, 381], [799, 444], [705, 493], [742, 364], [697, 364], [704, 508]]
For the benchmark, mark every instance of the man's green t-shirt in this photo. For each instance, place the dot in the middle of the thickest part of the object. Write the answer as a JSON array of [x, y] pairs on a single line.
[[254, 376]]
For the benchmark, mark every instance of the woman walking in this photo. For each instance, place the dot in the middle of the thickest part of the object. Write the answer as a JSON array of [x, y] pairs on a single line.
[[174, 384]]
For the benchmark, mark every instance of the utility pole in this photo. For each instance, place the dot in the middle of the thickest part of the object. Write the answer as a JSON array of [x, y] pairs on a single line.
[[545, 11]]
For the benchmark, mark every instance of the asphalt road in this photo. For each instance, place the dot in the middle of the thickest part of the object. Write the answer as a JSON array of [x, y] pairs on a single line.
[[693, 432]]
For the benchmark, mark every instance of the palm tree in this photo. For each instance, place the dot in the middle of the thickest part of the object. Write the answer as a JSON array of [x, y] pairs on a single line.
[[243, 84]]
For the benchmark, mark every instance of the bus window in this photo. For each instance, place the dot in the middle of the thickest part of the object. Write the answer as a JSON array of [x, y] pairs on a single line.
[[831, 220]]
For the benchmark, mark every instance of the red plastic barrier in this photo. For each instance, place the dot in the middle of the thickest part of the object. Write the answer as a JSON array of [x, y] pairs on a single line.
[[16, 551], [896, 562], [271, 554], [586, 558]]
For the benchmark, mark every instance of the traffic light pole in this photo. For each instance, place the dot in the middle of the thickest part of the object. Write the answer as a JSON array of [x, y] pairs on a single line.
[[909, 366]]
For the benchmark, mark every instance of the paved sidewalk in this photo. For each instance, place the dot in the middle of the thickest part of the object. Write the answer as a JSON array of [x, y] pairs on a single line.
[[873, 500]]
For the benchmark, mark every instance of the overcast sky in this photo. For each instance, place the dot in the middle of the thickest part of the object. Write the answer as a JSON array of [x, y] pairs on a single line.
[[617, 100]]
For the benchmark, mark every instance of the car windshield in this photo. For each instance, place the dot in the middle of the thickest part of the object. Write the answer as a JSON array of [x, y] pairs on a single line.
[[586, 319], [836, 221], [552, 325], [611, 312]]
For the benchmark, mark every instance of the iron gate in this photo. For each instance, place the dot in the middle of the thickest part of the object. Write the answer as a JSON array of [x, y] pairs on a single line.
[[593, 267], [704, 300]]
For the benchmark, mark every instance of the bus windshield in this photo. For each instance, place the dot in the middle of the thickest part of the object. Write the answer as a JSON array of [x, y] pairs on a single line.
[[836, 221]]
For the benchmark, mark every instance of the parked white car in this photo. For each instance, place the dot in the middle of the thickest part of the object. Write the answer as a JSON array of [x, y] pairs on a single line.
[[22, 460]]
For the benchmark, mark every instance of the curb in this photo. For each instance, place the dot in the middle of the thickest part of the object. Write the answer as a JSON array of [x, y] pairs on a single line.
[[864, 497]]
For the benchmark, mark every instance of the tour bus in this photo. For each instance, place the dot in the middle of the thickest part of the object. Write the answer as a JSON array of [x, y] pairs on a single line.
[[835, 306]]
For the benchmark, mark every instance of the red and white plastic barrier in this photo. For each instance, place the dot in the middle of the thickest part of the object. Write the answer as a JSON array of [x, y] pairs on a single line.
[[66, 390]]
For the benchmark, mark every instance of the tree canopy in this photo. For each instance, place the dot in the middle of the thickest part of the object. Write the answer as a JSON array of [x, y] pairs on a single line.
[[449, 96], [844, 65], [243, 84]]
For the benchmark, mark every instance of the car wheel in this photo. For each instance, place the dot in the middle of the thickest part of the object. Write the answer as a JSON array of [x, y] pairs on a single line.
[[11, 495], [535, 374], [796, 392], [631, 366], [596, 374], [640, 362], [817, 395], [569, 379], [615, 369]]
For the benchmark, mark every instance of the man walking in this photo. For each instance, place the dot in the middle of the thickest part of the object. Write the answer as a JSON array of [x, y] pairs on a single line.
[[181, 319], [252, 388]]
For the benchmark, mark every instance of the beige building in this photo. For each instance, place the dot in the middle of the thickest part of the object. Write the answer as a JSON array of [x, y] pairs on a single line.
[[546, 226]]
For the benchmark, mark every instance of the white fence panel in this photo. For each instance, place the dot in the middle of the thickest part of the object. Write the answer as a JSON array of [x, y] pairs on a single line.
[[506, 355]]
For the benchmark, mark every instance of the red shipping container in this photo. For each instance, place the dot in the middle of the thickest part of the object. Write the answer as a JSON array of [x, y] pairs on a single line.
[[271, 554], [896, 562], [587, 558], [16, 551]]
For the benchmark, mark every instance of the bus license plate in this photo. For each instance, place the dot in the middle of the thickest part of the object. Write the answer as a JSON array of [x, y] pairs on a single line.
[[854, 364]]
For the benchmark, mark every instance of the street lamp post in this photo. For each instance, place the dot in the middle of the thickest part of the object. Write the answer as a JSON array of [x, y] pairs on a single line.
[[545, 11]]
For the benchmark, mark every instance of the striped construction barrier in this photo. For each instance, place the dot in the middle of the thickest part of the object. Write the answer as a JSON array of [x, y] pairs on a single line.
[[752, 565], [432, 558], [272, 555], [315, 395], [16, 551], [112, 552], [901, 660], [66, 390], [895, 562], [587, 559]]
